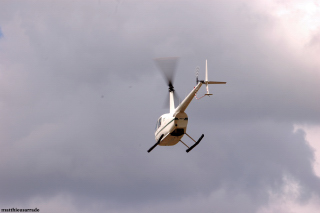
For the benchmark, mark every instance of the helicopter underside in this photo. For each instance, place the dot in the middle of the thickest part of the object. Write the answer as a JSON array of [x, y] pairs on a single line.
[[172, 138]]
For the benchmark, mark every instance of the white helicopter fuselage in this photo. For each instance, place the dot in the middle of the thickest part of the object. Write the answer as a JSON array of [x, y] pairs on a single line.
[[172, 127]]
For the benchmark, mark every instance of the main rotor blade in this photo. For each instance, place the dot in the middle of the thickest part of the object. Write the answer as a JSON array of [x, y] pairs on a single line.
[[168, 67]]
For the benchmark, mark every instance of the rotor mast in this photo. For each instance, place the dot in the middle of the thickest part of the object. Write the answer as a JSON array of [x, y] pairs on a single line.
[[171, 98]]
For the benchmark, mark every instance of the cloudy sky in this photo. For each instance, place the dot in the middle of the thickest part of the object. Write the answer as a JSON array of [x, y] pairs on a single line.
[[80, 96]]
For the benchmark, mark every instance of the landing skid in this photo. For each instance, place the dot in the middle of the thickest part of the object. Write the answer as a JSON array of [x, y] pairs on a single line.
[[194, 145], [156, 144]]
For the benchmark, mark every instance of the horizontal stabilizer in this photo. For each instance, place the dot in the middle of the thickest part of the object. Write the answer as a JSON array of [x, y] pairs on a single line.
[[215, 82]]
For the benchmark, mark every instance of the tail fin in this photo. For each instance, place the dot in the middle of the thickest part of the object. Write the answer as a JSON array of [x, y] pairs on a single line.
[[210, 82], [206, 80]]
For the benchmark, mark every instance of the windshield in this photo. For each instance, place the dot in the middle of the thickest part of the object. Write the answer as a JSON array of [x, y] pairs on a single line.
[[158, 123]]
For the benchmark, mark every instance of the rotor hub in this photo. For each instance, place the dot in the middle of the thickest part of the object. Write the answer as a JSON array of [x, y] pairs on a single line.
[[171, 88]]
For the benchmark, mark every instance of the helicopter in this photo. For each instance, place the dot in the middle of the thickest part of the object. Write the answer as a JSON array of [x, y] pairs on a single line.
[[172, 126]]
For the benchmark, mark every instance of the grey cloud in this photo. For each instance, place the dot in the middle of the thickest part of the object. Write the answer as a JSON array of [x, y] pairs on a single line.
[[79, 115]]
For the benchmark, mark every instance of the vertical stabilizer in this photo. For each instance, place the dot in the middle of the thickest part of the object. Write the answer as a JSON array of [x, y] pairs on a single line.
[[210, 82], [206, 71], [206, 80]]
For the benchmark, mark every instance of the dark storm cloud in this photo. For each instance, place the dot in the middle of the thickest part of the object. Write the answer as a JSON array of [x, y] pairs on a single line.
[[78, 113]]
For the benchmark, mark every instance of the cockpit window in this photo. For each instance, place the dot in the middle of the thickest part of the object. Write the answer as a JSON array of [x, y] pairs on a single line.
[[158, 123]]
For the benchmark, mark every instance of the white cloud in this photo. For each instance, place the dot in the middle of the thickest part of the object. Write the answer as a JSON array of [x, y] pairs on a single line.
[[313, 137], [288, 201]]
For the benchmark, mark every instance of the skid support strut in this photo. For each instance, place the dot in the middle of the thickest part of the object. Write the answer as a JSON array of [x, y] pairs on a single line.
[[156, 144], [196, 143]]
